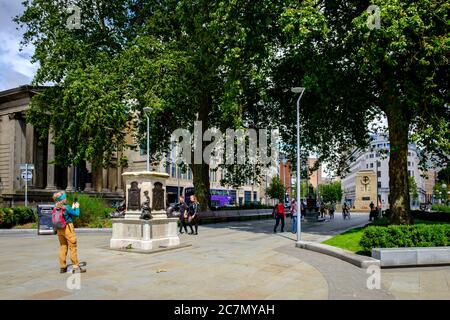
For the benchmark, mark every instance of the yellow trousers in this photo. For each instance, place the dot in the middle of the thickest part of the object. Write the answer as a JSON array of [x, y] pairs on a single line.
[[67, 240]]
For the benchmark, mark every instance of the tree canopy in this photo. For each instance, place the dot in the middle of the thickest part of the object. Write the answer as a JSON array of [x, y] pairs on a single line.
[[231, 64]]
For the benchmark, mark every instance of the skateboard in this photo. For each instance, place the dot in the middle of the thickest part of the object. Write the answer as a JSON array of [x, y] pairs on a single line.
[[70, 266]]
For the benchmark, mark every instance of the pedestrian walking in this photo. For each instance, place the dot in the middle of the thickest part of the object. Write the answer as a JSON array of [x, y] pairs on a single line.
[[62, 219], [303, 210], [183, 215], [332, 209], [279, 216], [193, 214], [322, 210], [294, 216], [345, 211]]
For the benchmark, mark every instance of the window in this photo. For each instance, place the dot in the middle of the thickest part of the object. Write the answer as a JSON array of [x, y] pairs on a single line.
[[143, 149], [233, 196], [409, 164], [371, 165], [247, 196], [173, 170], [167, 167], [189, 174], [379, 174], [379, 184]]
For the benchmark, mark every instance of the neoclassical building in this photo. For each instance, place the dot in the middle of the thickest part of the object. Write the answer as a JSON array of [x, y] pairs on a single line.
[[19, 144]]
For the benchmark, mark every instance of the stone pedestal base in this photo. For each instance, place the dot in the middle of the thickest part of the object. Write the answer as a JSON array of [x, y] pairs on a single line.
[[311, 215], [144, 234]]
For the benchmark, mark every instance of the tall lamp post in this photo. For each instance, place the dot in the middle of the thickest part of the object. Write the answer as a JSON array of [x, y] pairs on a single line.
[[146, 111], [299, 90]]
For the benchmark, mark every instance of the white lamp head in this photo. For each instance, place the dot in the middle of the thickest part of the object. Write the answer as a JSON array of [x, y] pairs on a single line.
[[297, 89]]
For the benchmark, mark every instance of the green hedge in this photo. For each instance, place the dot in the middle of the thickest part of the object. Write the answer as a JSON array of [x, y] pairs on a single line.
[[10, 217], [94, 211], [431, 216], [441, 208], [393, 236]]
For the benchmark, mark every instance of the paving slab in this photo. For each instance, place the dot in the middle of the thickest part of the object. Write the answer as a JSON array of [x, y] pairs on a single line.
[[236, 260]]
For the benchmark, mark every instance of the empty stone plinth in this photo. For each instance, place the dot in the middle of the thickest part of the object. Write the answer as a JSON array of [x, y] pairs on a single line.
[[144, 234]]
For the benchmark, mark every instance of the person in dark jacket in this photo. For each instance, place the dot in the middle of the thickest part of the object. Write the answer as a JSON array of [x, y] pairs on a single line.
[[183, 215], [193, 214], [279, 215]]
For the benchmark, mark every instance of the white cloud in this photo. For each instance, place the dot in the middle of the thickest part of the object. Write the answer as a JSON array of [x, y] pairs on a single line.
[[15, 66]]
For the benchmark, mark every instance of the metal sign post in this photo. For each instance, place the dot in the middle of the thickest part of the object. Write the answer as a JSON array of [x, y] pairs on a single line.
[[26, 175]]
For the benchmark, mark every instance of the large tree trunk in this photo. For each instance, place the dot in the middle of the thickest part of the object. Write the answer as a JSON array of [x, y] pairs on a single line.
[[200, 172], [398, 169]]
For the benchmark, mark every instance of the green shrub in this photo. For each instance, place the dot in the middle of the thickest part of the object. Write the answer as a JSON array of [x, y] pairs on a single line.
[[9, 219], [440, 208], [421, 235], [24, 215], [2, 217], [431, 216], [93, 211]]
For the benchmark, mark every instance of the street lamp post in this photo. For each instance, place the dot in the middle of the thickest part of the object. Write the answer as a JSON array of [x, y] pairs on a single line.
[[146, 111], [299, 216]]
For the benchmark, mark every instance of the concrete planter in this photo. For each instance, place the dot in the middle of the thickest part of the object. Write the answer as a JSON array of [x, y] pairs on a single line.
[[397, 257]]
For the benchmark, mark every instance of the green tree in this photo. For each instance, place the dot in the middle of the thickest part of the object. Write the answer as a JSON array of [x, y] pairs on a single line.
[[354, 75], [185, 60], [413, 188], [444, 175], [276, 189], [331, 192]]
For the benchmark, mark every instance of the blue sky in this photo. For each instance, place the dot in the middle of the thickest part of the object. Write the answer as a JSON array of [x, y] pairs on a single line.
[[15, 66]]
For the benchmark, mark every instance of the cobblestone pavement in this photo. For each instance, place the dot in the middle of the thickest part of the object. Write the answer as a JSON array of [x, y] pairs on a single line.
[[239, 260]]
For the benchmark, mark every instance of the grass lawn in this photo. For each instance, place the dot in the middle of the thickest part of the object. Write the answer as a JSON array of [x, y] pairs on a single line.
[[349, 240]]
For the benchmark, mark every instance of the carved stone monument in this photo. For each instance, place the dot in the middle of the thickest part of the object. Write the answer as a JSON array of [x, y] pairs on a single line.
[[311, 213], [366, 190], [145, 225]]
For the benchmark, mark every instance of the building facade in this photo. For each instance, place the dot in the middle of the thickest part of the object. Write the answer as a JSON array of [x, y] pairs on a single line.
[[376, 160]]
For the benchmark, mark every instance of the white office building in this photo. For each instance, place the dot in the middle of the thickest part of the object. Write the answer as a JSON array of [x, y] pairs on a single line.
[[376, 158]]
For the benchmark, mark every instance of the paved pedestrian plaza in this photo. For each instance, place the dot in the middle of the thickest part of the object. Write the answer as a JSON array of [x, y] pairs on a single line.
[[236, 260]]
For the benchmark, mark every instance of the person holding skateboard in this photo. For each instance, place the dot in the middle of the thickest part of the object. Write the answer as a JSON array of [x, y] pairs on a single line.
[[62, 218]]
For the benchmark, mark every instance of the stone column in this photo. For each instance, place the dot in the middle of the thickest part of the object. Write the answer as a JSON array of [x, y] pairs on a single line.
[[70, 187], [88, 187], [50, 166], [105, 180], [97, 178], [119, 180], [29, 150]]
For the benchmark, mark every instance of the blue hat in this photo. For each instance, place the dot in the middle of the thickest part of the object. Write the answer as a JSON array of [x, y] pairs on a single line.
[[61, 197]]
